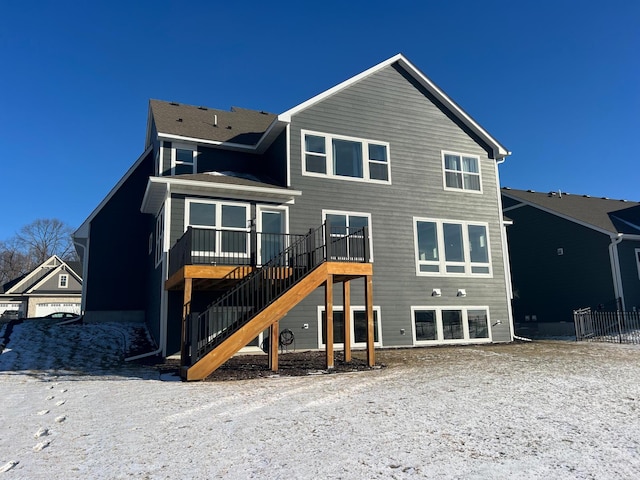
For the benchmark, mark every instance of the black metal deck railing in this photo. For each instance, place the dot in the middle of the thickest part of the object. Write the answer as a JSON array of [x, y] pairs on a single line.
[[267, 283], [207, 246]]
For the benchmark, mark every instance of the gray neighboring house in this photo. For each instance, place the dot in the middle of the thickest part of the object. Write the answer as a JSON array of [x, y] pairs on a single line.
[[568, 252], [386, 149], [53, 286]]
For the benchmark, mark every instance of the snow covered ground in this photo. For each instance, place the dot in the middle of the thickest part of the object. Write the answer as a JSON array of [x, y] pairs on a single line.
[[70, 409]]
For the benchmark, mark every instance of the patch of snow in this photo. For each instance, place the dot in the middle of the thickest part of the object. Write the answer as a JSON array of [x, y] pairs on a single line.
[[556, 410]]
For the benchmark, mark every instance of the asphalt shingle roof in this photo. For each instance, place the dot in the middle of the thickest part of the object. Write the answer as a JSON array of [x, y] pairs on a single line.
[[615, 216], [239, 125]]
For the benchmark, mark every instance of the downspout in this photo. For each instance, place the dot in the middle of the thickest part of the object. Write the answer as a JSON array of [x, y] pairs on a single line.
[[505, 255], [615, 269]]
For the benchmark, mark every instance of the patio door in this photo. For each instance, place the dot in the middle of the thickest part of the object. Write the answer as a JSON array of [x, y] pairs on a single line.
[[272, 229]]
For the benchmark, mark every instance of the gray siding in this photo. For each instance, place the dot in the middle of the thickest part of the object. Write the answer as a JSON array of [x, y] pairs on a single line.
[[388, 107], [51, 285]]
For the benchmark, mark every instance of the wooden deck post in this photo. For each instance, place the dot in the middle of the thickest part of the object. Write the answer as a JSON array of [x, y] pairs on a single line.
[[328, 308], [274, 344], [346, 303], [186, 310], [368, 294]]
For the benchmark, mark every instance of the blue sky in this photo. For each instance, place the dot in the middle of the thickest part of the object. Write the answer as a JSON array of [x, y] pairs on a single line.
[[557, 82]]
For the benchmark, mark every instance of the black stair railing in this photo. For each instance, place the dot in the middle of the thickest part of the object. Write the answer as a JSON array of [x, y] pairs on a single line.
[[267, 283]]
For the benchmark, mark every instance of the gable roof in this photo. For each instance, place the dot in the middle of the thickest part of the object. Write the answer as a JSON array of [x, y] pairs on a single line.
[[499, 151], [602, 214], [238, 128], [27, 283]]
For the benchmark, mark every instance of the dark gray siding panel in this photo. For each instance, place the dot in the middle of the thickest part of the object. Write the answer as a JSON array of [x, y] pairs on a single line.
[[551, 286], [51, 285], [166, 159], [118, 249], [388, 107]]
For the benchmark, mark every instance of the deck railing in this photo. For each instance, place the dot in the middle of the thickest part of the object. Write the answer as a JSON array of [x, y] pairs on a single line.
[[267, 283], [213, 246]]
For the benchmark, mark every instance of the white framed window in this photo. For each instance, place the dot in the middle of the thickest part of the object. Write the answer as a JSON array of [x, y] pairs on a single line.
[[183, 158], [358, 316], [159, 237], [343, 224], [63, 280], [228, 223], [447, 247], [431, 325], [461, 172], [637, 254], [348, 158]]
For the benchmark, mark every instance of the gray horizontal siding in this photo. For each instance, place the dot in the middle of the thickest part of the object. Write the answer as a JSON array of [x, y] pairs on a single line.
[[388, 107]]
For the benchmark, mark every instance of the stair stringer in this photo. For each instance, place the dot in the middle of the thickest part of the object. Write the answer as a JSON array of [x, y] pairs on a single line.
[[271, 314]]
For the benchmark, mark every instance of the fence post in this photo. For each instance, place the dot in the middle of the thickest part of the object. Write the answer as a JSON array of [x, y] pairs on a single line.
[[365, 239], [327, 240], [193, 353]]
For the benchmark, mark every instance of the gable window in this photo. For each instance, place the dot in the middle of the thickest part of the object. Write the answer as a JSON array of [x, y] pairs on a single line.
[[183, 159], [358, 326], [345, 157], [461, 172], [63, 280], [346, 231], [222, 227], [448, 247], [450, 324]]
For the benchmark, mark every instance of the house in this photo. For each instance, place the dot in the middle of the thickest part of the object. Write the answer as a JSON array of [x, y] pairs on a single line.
[[53, 286], [568, 252], [239, 216]]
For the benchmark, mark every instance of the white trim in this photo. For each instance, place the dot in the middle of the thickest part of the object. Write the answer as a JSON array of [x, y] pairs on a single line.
[[349, 213], [442, 262], [328, 141], [440, 340], [151, 202], [498, 150], [175, 146], [352, 310], [506, 264], [288, 153], [159, 229], [62, 267], [461, 172], [260, 208]]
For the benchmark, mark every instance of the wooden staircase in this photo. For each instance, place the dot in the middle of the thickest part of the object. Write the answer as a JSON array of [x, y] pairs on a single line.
[[266, 295]]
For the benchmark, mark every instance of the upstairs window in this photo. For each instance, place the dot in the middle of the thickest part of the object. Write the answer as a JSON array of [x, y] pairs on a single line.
[[63, 280], [461, 172], [345, 157], [451, 248], [183, 159]]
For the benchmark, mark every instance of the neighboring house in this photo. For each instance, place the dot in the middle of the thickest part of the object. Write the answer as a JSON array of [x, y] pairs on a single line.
[[567, 252], [53, 286], [405, 179]]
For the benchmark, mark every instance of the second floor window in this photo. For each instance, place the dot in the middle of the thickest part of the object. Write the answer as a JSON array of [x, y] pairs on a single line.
[[223, 228], [461, 172], [63, 280], [183, 159], [345, 157]]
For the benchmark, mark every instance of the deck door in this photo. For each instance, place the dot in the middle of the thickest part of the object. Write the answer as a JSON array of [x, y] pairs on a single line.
[[272, 229]]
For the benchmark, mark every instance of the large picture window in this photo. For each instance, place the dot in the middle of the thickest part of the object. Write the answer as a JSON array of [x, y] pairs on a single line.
[[222, 227], [450, 324], [461, 172], [446, 247], [345, 157]]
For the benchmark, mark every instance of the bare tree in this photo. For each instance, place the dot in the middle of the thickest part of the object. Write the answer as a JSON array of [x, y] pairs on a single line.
[[34, 244], [45, 237]]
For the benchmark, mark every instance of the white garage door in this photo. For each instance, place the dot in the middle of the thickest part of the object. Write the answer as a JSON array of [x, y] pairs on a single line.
[[43, 309]]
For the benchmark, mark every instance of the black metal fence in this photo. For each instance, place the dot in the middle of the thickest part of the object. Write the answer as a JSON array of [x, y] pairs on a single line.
[[612, 327], [263, 286]]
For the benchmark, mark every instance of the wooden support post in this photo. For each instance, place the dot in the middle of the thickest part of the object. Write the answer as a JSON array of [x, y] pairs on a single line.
[[328, 308], [274, 344], [346, 302], [368, 296], [186, 311]]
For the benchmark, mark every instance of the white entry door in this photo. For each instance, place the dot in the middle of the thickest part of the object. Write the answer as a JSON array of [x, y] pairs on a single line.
[[271, 227]]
